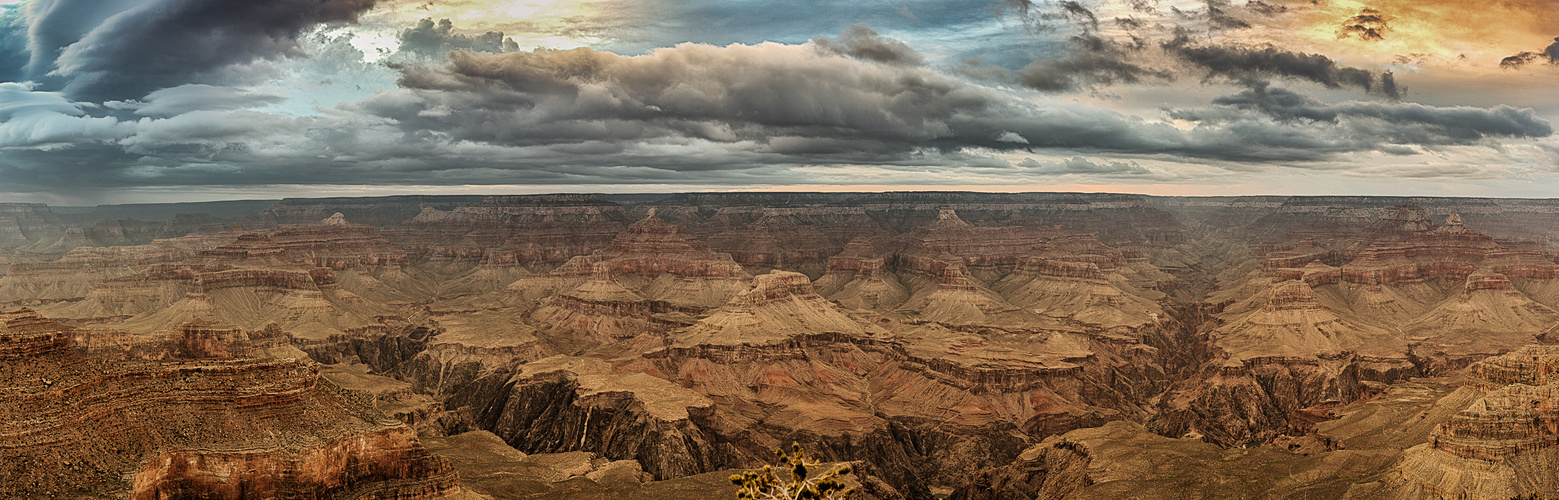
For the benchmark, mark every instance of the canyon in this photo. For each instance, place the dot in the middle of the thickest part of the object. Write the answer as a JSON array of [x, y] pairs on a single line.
[[946, 344]]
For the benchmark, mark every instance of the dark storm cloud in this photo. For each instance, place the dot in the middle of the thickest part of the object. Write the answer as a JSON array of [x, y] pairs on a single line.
[[1239, 62], [1383, 123], [1218, 15], [429, 39], [1369, 25], [1389, 87], [124, 50], [788, 101], [1166, 53], [1551, 54], [862, 42], [1095, 60]]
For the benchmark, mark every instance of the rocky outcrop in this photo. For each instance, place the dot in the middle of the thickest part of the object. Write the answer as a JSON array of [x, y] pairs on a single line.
[[28, 335], [779, 306], [75, 275], [1500, 444], [384, 463], [1414, 299], [331, 243], [859, 278], [565, 404], [78, 425]]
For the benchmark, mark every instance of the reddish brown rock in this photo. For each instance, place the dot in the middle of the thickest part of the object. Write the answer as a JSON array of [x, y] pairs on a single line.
[[79, 425]]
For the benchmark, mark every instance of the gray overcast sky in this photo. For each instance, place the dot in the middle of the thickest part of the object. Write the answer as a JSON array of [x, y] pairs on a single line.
[[168, 100]]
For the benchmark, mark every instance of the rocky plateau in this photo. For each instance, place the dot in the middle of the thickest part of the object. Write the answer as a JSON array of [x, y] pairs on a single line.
[[947, 345]]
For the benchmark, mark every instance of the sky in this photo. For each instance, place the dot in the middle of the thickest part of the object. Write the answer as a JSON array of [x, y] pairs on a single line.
[[126, 101]]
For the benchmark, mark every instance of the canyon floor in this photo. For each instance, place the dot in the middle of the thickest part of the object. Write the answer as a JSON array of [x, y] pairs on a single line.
[[945, 345]]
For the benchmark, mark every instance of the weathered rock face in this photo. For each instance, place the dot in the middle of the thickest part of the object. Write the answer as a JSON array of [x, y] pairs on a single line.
[[387, 462], [1319, 321], [1499, 444], [332, 243], [560, 404], [78, 425], [78, 272], [778, 363], [1515, 417]]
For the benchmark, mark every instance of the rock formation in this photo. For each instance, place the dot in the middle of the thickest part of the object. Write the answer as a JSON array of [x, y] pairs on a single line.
[[213, 426], [1320, 319], [984, 345]]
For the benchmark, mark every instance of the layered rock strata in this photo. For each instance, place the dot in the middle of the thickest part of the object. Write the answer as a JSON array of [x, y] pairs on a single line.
[[75, 425]]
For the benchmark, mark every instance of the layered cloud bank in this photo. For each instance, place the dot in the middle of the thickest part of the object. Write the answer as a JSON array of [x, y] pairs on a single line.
[[1136, 94]]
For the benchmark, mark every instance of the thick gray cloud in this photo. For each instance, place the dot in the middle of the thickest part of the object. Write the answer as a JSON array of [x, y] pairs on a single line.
[[862, 42], [46, 120], [471, 110], [1159, 53], [434, 40], [1096, 60], [122, 49], [787, 100], [1378, 124], [1241, 62]]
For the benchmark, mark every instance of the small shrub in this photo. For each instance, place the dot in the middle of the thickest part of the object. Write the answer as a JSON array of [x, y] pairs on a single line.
[[766, 485]]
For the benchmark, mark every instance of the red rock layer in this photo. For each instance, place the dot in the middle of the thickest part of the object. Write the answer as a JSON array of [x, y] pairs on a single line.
[[74, 425], [1514, 420], [333, 243], [25, 334], [202, 339], [386, 463]]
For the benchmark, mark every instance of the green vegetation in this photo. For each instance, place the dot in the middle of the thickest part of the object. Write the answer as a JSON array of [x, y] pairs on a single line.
[[765, 485]]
